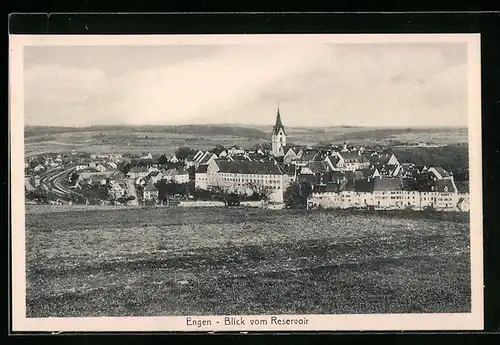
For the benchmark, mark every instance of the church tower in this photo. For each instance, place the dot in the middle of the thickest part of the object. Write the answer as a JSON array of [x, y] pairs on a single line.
[[279, 136]]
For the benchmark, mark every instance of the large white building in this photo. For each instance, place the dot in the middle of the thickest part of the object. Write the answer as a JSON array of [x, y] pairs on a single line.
[[244, 177]]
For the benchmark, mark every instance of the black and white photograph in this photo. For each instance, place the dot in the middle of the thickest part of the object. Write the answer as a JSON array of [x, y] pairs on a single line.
[[246, 182]]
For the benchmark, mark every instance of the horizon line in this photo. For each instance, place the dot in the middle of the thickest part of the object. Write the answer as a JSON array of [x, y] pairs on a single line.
[[245, 125]]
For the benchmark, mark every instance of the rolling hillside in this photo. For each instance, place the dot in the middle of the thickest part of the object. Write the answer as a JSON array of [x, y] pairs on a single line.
[[166, 139]]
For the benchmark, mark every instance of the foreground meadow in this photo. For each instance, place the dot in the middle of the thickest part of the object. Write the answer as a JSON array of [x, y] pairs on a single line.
[[176, 261]]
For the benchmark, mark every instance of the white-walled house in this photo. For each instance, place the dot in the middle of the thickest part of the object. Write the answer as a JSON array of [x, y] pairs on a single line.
[[138, 172], [150, 192], [235, 150], [201, 177], [347, 161], [39, 168], [155, 176], [100, 168], [178, 176], [149, 156]]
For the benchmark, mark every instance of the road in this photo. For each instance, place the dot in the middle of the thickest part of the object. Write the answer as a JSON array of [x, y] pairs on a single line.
[[132, 192]]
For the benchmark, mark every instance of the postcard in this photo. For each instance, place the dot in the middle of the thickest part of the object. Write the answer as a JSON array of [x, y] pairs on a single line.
[[214, 183]]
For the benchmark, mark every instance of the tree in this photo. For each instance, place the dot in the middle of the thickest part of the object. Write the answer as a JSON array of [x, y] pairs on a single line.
[[259, 190], [163, 160], [76, 198], [37, 160], [232, 199], [124, 167], [192, 173], [296, 195], [73, 178], [219, 193], [218, 149], [183, 152], [424, 182], [167, 188], [266, 146], [202, 194], [38, 195]]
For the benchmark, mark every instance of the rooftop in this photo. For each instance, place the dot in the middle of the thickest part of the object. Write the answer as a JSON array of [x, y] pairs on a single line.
[[246, 167]]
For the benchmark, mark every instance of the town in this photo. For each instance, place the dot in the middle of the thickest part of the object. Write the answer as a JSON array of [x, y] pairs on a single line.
[[277, 175]]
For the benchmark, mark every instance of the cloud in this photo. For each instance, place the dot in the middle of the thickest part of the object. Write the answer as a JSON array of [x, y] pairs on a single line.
[[314, 84]]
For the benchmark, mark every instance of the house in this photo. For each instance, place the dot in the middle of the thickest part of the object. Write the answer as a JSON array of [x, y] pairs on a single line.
[[39, 168], [81, 166], [118, 189], [235, 150], [206, 158], [110, 165], [149, 156], [100, 179], [439, 173], [445, 185], [307, 156], [35, 181], [291, 153], [201, 177], [87, 173], [463, 203], [420, 168], [178, 176], [150, 192], [223, 154], [198, 155], [138, 172], [237, 158], [155, 176], [348, 161], [387, 192], [318, 169], [173, 159], [383, 160], [101, 168]]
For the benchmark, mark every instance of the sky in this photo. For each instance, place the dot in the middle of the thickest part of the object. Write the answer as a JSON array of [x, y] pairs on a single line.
[[391, 84]]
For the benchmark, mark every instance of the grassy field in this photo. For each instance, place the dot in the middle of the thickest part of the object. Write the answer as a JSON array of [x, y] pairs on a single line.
[[243, 261], [166, 139]]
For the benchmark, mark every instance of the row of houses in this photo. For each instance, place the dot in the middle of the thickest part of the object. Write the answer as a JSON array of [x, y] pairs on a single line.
[[152, 173], [387, 194]]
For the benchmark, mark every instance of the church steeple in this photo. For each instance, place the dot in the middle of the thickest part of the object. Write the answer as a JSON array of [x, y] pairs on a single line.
[[279, 124], [278, 136]]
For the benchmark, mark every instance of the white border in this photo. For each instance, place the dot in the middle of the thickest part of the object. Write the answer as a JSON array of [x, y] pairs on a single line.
[[360, 322]]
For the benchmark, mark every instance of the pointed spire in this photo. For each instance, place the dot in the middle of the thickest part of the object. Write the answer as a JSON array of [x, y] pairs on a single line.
[[279, 124]]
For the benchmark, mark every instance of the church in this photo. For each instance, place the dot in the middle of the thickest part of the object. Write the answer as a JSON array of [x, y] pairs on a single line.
[[278, 138]]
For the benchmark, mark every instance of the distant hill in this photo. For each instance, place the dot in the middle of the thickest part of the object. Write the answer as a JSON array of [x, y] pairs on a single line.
[[182, 129], [166, 139]]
